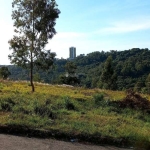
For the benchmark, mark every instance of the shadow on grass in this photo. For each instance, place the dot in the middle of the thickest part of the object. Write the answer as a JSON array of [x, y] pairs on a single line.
[[56, 134]]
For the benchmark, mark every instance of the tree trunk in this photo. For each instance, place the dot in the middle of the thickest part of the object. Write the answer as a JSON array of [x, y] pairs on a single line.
[[32, 53], [31, 73]]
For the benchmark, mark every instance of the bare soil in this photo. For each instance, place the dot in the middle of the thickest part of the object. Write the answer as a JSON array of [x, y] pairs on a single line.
[[10, 142], [135, 101]]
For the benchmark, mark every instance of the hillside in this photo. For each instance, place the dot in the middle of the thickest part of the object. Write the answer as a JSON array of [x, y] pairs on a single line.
[[131, 66], [91, 115]]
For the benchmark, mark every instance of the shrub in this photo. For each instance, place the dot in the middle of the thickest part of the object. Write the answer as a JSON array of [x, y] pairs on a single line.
[[98, 98], [44, 110], [69, 104], [22, 109], [7, 104]]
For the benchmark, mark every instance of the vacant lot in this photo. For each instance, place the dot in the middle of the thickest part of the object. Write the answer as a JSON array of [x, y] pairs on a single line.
[[89, 115]]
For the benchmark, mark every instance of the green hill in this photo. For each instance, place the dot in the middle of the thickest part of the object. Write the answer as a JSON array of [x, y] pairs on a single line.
[[131, 66]]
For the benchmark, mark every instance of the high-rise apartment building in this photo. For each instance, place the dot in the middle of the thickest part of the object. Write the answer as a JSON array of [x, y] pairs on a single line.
[[72, 52]]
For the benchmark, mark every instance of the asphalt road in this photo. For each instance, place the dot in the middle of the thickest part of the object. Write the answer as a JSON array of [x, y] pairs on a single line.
[[9, 142]]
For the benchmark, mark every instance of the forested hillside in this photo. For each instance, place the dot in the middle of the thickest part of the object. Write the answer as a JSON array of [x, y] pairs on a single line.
[[131, 67]]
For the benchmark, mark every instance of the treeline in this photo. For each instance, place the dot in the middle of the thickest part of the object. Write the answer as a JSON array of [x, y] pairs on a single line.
[[131, 67]]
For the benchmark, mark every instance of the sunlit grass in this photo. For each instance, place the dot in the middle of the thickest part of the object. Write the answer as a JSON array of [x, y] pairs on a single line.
[[74, 110]]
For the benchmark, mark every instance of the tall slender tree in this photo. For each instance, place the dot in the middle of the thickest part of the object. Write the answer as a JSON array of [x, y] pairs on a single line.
[[34, 22], [108, 77]]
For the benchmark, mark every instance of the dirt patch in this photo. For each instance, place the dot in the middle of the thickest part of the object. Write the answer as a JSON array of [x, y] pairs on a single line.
[[135, 101]]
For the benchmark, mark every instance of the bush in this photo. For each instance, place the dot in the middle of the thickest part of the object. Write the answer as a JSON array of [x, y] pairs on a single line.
[[43, 111], [7, 104], [68, 104], [98, 98], [22, 109]]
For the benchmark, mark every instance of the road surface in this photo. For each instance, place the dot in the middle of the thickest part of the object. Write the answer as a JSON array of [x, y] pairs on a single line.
[[9, 142]]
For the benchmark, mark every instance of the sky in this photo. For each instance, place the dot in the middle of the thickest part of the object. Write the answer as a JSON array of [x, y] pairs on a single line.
[[89, 26]]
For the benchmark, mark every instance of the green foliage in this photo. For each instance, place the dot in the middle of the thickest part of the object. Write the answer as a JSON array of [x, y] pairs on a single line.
[[70, 77], [43, 110], [108, 77], [31, 121], [6, 104], [69, 80], [147, 82], [34, 23], [68, 103], [22, 108], [1, 87], [36, 77], [4, 72], [130, 66], [70, 67], [98, 98]]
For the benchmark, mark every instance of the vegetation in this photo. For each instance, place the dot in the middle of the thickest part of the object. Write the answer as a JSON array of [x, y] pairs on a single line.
[[131, 68], [4, 72], [108, 77], [34, 23], [99, 116], [70, 77]]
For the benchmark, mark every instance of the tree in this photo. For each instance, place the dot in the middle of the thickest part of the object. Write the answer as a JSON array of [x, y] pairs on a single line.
[[108, 77], [34, 22], [36, 77], [4, 72], [147, 82], [70, 77], [70, 67], [139, 85]]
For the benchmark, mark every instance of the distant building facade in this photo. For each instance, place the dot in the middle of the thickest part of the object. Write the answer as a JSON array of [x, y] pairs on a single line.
[[72, 52]]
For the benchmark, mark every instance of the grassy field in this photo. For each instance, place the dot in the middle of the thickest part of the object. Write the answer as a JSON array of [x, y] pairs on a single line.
[[73, 111]]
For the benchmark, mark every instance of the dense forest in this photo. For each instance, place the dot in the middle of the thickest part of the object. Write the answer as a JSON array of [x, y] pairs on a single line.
[[131, 69]]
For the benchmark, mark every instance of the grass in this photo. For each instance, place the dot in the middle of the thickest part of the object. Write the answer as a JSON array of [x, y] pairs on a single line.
[[71, 110]]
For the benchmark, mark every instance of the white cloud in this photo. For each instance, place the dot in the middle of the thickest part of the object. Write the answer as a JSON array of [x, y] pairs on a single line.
[[95, 41], [84, 42], [126, 26]]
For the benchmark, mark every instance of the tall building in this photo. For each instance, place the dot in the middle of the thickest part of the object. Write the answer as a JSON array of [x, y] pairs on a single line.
[[72, 52]]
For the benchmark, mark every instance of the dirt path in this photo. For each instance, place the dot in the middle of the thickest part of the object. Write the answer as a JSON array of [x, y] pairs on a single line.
[[9, 142]]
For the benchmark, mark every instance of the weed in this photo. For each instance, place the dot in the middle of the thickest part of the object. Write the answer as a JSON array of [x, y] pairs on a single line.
[[47, 102], [68, 103], [22, 109], [43, 111], [7, 104], [100, 101], [1, 86]]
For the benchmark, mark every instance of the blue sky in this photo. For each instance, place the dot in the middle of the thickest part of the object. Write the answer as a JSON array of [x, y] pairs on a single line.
[[89, 26]]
